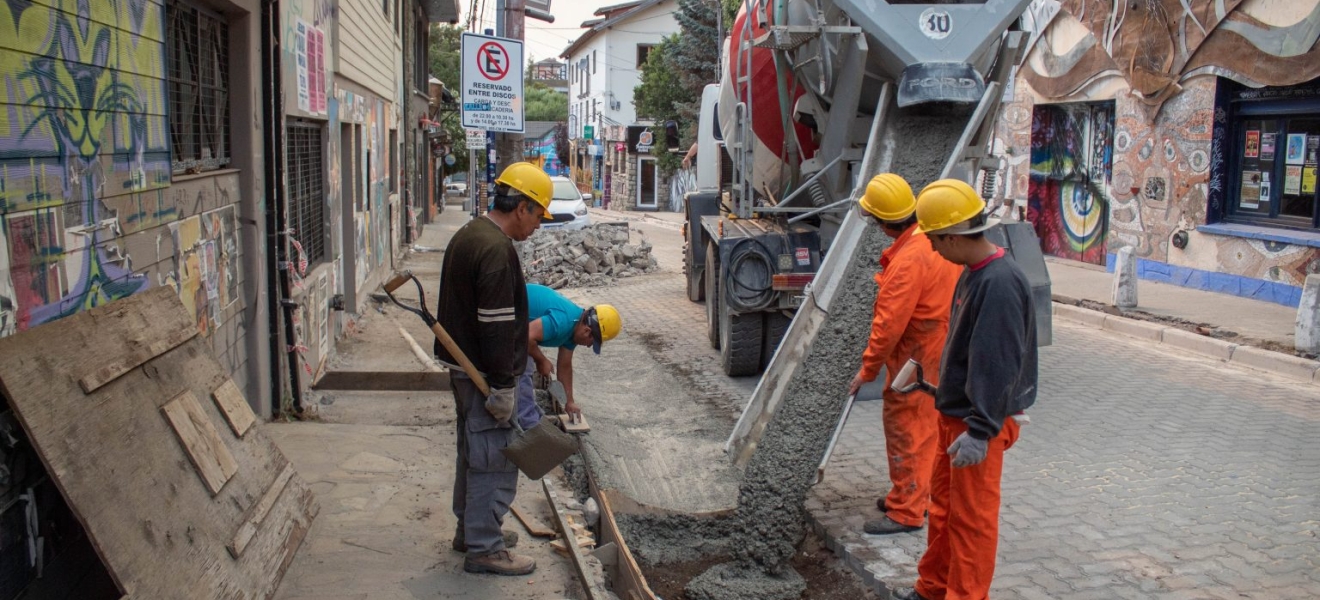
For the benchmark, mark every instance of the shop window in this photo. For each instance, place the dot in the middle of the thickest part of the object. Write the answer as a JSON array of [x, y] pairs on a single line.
[[1273, 142], [197, 47]]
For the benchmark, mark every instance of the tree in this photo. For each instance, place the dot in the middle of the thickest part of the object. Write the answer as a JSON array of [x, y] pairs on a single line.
[[540, 103], [695, 57], [445, 56], [660, 91]]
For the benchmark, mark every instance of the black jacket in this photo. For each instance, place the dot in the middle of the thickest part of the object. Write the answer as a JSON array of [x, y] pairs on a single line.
[[988, 371], [483, 302]]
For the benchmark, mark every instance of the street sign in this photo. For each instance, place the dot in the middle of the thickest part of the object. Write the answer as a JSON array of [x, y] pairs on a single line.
[[589, 132], [492, 88], [476, 139]]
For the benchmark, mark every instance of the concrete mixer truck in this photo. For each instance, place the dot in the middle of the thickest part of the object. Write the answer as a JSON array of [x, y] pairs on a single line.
[[816, 97]]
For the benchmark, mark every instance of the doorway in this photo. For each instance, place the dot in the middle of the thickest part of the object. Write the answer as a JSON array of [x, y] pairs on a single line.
[[647, 183], [1072, 153]]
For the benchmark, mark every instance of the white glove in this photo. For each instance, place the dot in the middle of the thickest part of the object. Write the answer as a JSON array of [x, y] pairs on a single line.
[[967, 450], [500, 404]]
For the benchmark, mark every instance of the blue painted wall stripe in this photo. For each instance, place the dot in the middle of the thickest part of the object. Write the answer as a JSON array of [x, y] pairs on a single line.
[[1224, 283]]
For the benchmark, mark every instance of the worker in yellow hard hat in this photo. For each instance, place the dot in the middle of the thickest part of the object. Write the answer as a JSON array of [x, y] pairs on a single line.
[[988, 375], [483, 306], [911, 318], [557, 322]]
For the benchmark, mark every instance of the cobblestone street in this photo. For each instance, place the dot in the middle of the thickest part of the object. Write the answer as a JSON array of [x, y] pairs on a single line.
[[1142, 475]]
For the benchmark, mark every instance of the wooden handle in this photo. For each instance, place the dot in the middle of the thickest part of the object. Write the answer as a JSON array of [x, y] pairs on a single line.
[[457, 353], [397, 281]]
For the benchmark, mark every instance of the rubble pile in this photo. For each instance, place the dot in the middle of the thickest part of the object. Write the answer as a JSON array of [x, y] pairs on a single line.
[[594, 256]]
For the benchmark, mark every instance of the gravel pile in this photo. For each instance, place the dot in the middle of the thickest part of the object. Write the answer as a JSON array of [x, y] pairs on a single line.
[[595, 256]]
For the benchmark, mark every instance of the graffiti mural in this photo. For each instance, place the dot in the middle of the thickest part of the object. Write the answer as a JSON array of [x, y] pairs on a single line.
[[1071, 167], [83, 129]]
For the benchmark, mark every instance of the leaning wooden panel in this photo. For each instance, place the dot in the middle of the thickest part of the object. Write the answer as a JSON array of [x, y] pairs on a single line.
[[121, 468], [235, 407]]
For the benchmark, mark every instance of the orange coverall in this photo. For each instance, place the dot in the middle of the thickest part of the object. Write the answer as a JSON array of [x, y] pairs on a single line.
[[911, 321]]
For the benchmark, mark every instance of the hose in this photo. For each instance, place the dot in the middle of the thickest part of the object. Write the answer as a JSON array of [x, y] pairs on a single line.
[[753, 293]]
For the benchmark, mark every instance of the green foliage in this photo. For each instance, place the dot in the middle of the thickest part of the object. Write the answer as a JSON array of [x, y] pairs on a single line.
[[540, 103], [445, 56], [679, 68]]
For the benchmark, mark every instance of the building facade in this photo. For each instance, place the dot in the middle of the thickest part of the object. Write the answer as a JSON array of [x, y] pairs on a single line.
[[604, 65], [1186, 130]]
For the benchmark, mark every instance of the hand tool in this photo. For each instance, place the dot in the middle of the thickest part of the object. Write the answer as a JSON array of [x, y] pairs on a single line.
[[834, 439], [536, 451]]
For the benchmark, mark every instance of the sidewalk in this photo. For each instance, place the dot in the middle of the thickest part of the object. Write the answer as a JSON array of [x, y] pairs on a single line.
[[662, 218]]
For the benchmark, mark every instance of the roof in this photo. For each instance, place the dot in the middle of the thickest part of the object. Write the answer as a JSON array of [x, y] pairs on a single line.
[[606, 23], [604, 11], [548, 61], [535, 130]]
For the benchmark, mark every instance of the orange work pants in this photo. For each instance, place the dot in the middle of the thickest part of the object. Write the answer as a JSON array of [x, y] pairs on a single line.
[[964, 519], [912, 445]]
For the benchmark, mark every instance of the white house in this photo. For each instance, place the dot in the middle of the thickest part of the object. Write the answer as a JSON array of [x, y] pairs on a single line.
[[604, 65]]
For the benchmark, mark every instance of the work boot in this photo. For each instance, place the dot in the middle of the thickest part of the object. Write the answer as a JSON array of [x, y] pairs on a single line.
[[885, 526], [460, 542], [880, 504], [500, 563], [906, 594]]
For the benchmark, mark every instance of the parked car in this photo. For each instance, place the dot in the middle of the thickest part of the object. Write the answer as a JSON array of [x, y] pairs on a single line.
[[456, 189], [568, 207]]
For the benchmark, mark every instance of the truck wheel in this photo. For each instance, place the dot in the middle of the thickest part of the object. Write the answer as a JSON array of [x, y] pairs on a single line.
[[776, 325], [696, 279], [712, 285], [740, 343]]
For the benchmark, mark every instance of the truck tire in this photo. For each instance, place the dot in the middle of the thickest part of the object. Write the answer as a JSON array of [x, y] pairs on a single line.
[[696, 282], [740, 343], [776, 325], [712, 285]]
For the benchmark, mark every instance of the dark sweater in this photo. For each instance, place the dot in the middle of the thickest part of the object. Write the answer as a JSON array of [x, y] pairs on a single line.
[[988, 372], [483, 302]]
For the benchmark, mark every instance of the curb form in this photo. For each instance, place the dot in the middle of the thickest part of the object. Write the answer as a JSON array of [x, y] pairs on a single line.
[[1285, 365]]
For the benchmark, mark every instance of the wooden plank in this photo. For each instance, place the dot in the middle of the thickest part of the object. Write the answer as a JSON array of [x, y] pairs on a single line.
[[629, 582], [136, 355], [257, 513], [120, 466], [533, 526], [229, 399], [592, 582], [214, 464]]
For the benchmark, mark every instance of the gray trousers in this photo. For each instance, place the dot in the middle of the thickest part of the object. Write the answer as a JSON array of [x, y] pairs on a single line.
[[484, 481]]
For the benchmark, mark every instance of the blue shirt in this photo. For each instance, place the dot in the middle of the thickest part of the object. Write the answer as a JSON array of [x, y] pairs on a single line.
[[558, 315]]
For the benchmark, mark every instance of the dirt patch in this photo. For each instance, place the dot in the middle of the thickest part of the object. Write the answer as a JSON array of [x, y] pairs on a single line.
[[825, 576], [1205, 329]]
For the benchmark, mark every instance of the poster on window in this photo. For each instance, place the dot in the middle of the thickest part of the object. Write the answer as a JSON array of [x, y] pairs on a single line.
[[1312, 149], [1250, 194], [1253, 144], [300, 63], [1265, 186], [1292, 180], [1267, 146], [1296, 149], [1308, 180]]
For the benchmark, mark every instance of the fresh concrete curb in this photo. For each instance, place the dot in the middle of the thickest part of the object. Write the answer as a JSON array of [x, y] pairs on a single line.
[[1286, 365]]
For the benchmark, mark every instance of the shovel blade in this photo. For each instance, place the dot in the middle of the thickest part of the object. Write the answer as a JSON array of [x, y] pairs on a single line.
[[540, 449]]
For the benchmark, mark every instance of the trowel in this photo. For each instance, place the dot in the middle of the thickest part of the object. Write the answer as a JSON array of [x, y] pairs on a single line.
[[534, 452]]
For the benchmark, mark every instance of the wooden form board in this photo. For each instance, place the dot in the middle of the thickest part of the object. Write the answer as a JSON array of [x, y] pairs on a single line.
[[117, 460], [629, 582], [591, 579], [214, 464], [231, 403]]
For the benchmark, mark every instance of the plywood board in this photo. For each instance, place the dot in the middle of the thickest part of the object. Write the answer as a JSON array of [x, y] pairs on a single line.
[[532, 524], [136, 354], [120, 466], [255, 515], [229, 399], [214, 464]]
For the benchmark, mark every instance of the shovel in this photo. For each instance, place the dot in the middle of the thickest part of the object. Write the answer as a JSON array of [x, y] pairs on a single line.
[[534, 452]]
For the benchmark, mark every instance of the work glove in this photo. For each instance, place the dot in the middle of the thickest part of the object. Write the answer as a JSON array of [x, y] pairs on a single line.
[[500, 404], [967, 450]]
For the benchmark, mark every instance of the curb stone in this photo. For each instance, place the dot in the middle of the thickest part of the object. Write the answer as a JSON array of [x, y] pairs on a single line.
[[1292, 367]]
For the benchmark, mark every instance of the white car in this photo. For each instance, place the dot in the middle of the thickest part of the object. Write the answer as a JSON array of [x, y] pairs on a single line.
[[456, 189], [567, 207]]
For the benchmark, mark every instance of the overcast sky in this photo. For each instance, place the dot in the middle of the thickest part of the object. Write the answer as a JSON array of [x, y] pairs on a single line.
[[547, 40]]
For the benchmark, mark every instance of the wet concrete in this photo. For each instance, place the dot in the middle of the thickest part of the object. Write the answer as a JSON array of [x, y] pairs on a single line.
[[770, 521]]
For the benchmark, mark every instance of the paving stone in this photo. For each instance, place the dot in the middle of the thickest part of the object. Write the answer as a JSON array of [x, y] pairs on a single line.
[[1200, 344]]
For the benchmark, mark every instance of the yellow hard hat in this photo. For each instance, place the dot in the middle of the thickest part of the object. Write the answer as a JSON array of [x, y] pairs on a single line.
[[950, 206], [889, 198], [530, 181], [604, 322]]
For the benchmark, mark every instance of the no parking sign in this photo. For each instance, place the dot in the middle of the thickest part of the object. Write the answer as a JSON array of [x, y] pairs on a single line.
[[492, 83]]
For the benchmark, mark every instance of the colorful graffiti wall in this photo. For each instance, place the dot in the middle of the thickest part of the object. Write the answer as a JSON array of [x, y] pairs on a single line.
[[1071, 167], [87, 211]]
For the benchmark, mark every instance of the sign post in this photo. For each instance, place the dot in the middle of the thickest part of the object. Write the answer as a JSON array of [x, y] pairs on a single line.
[[492, 90]]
